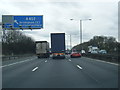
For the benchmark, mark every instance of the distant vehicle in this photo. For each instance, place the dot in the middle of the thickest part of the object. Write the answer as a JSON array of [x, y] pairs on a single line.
[[58, 45], [67, 52], [93, 49], [42, 49], [75, 54], [102, 51], [82, 51]]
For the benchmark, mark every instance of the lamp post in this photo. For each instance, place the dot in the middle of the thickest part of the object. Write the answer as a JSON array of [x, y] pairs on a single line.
[[81, 29], [70, 39]]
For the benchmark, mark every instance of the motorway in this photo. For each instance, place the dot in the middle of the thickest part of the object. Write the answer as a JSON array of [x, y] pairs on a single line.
[[81, 72]]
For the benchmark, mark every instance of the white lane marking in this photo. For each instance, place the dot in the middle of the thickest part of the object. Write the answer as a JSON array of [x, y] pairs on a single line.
[[16, 63], [46, 61], [104, 61], [69, 60], [35, 69], [108, 62], [79, 66]]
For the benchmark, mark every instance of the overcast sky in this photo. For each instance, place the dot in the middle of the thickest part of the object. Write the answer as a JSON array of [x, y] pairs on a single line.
[[57, 15]]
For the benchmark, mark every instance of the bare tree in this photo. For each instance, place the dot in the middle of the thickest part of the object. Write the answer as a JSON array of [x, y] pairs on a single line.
[[15, 42]]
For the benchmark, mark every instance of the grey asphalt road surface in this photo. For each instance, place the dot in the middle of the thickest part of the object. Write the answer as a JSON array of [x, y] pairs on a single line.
[[59, 73]]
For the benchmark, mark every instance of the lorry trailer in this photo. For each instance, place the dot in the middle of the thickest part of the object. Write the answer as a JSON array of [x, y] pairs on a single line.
[[58, 45], [42, 49]]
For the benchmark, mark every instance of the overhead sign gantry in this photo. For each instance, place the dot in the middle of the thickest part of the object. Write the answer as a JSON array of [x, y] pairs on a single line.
[[13, 22]]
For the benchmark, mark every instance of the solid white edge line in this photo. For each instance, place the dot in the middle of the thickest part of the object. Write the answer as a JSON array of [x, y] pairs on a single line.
[[35, 69], [16, 63], [104, 61], [79, 66]]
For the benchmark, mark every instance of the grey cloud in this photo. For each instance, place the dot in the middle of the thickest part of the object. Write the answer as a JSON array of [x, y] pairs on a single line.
[[57, 17], [3, 12]]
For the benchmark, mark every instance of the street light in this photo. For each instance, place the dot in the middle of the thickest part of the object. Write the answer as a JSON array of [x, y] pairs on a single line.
[[81, 28], [70, 39]]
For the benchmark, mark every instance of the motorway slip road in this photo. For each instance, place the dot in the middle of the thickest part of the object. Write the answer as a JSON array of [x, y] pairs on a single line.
[[59, 73]]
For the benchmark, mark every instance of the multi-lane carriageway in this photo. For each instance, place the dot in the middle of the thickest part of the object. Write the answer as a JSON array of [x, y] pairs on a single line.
[[31, 72]]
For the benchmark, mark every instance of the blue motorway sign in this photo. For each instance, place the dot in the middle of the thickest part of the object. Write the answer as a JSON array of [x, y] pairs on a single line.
[[7, 25], [32, 22]]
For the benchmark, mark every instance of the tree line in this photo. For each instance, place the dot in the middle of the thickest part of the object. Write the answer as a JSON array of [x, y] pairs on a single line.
[[15, 42], [102, 42]]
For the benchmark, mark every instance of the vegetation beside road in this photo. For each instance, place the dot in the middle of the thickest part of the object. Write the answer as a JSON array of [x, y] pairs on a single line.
[[16, 43], [102, 42]]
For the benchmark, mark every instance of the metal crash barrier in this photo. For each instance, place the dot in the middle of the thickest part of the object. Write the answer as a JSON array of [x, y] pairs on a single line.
[[104, 57]]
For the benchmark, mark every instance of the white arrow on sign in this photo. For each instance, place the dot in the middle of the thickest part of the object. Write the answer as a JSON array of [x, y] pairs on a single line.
[[15, 21]]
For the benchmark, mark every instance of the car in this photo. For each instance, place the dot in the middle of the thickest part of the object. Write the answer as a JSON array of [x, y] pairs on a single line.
[[75, 54], [94, 51], [103, 52], [83, 51]]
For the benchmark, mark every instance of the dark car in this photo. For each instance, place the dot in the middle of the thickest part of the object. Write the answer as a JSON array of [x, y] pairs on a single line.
[[75, 54]]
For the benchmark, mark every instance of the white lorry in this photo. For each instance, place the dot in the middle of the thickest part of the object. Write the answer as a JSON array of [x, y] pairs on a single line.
[[42, 49]]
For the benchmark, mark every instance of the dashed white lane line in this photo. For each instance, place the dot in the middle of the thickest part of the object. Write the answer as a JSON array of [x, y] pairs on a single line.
[[79, 67], [69, 60], [46, 61], [16, 63], [35, 69]]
